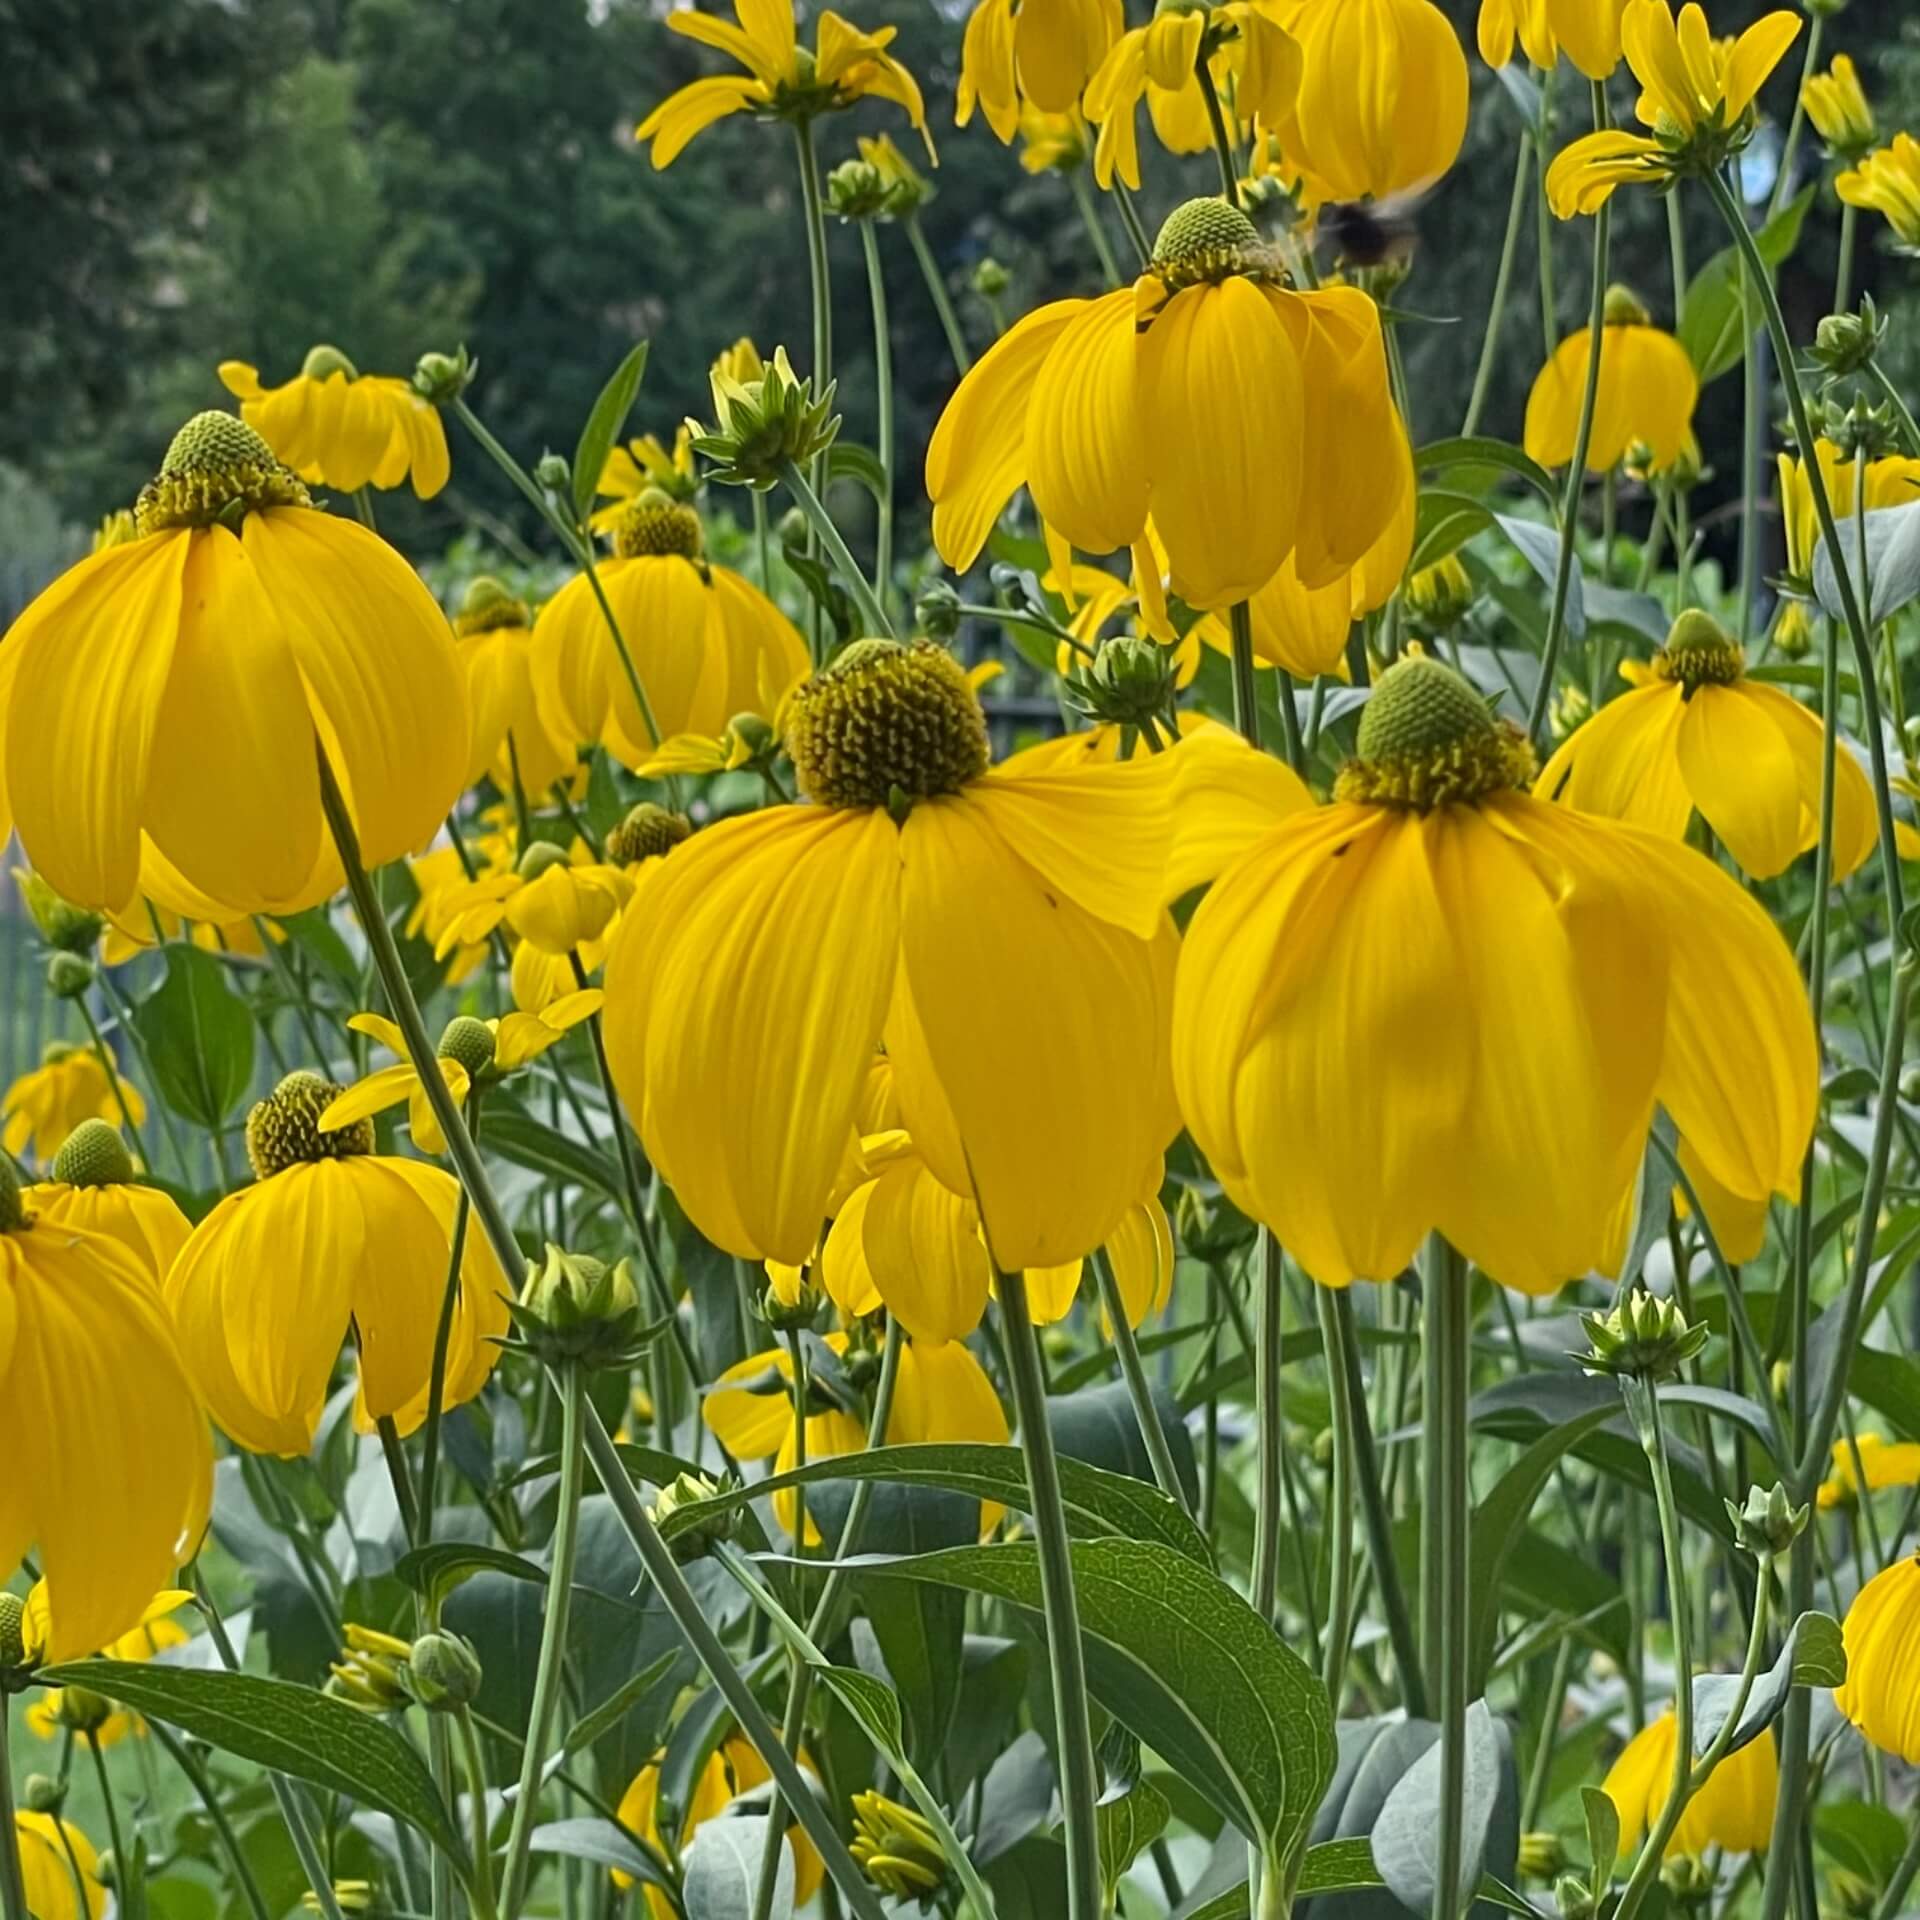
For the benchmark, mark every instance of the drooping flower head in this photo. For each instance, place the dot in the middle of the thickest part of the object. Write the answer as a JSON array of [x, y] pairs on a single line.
[[1345, 1042], [170, 696], [745, 1005], [337, 427], [50, 1850], [69, 1086], [1733, 1810], [1837, 105], [1697, 732], [1200, 399], [784, 80], [1021, 55], [1887, 182], [1529, 22], [112, 1472], [706, 643], [94, 1188], [332, 1240], [1881, 1694], [1697, 97], [1646, 397], [1880, 1463], [509, 738]]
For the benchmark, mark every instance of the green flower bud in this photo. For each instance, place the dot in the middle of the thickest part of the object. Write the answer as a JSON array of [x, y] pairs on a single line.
[[687, 1523], [1689, 1882], [936, 610], [1845, 343], [1642, 1338], [62, 924], [82, 1709], [1769, 1523], [443, 377], [792, 1303], [856, 190], [106, 1868], [470, 1042], [69, 976], [45, 1794], [1129, 682], [762, 427], [1541, 1856], [1861, 429], [1441, 596], [553, 472], [576, 1310], [991, 279], [1574, 1899], [443, 1672]]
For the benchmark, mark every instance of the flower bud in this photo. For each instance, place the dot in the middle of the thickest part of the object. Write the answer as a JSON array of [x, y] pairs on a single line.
[[792, 1299], [692, 1538], [371, 1671], [1689, 1882], [936, 610], [69, 976], [468, 1041], [1768, 1524], [647, 833], [1441, 596], [896, 1848], [1851, 1895], [443, 1672], [1574, 1899], [760, 427], [45, 1794], [991, 279], [553, 472], [1129, 681], [1642, 1338], [1570, 709], [72, 929], [81, 1709], [576, 1310], [1862, 430], [1541, 1856], [856, 191], [1845, 343], [106, 1868], [907, 188], [350, 1896], [443, 377]]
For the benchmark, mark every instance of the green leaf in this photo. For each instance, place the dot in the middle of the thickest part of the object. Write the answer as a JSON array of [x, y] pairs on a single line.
[[607, 1714], [199, 1038], [1603, 1835], [1123, 1827], [1346, 1866], [1813, 1656], [1181, 1659], [437, 1570], [598, 1840], [1484, 452], [1540, 547], [723, 1871], [1099, 1427], [292, 1729], [847, 460], [1443, 523], [1406, 1837], [603, 428], [1715, 321], [514, 1134], [1893, 562], [1099, 1504], [871, 1702]]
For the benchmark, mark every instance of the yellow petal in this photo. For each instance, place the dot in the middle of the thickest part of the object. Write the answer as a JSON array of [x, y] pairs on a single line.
[[693, 109], [1086, 462], [1624, 762], [1737, 766], [922, 1246]]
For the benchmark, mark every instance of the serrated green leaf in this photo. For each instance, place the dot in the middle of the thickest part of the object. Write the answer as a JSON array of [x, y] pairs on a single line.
[[603, 428], [293, 1730]]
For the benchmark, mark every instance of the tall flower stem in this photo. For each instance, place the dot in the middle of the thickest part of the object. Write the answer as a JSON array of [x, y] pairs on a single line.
[[1549, 301], [236, 1855], [1269, 1419], [1843, 273], [1333, 1667], [1130, 219], [13, 1890], [1809, 66], [937, 293], [547, 1675], [883, 397], [1246, 695], [793, 1719], [477, 1809], [104, 1054], [1577, 468], [1079, 1784], [129, 1883], [1502, 282], [819, 277], [1090, 219], [1909, 427], [657, 1560], [808, 501], [1217, 119], [442, 1340], [1145, 1412], [1447, 1520]]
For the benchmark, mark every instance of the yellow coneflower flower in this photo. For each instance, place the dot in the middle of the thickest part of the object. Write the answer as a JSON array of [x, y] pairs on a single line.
[[1697, 732], [171, 691], [338, 427], [1053, 142], [1837, 105], [509, 738], [1039, 56], [1254, 61], [732, 1769], [645, 463], [69, 1085], [93, 1188], [1203, 396], [744, 1007], [470, 1050], [115, 1491], [49, 1883], [1890, 481], [442, 879], [1732, 1811], [1646, 396], [331, 1237], [556, 900], [706, 643], [1382, 106], [1883, 1463], [49, 1715], [1693, 87], [1344, 1047], [1530, 22], [783, 81], [1881, 1693], [1887, 182]]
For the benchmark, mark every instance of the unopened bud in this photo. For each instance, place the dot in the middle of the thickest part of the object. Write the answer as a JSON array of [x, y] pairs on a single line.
[[1768, 1524], [553, 472], [856, 191], [688, 1520], [1643, 1338], [991, 279], [82, 1709], [443, 377], [1541, 1855], [45, 1794], [443, 1672], [1845, 343], [936, 610], [69, 976], [1441, 596], [62, 924], [1574, 1899], [1129, 682], [575, 1309]]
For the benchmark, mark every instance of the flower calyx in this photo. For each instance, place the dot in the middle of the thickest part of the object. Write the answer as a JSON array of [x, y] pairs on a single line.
[[283, 1130], [576, 1310], [1641, 1338], [216, 471], [1427, 740], [886, 725]]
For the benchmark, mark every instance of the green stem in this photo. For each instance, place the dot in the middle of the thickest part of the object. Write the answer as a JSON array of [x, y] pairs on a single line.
[[1577, 470], [1222, 140], [1448, 1517], [1246, 697], [442, 1340], [477, 1797], [547, 1674], [1843, 273], [395, 1456], [129, 1884], [877, 624], [657, 1560], [1677, 250], [818, 273], [1130, 219], [1079, 1779], [1783, 179], [1903, 1876], [1090, 219], [883, 392], [1339, 1499], [123, 1020], [1549, 304], [104, 1054], [1375, 1517], [937, 293], [1503, 280], [13, 1891], [1269, 1424], [1145, 1410], [183, 1757]]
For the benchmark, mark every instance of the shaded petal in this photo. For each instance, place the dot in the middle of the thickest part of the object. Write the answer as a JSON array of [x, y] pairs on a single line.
[[922, 1246]]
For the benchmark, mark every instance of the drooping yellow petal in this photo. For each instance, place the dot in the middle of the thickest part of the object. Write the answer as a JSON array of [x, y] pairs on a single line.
[[1141, 1249], [1584, 174], [1855, 825], [1086, 461], [692, 110], [1737, 766], [1624, 762], [923, 1248]]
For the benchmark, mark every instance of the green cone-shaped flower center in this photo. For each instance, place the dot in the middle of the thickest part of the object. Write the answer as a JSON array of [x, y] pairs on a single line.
[[1427, 740], [93, 1155], [468, 1041], [1700, 652], [645, 833], [284, 1128], [488, 605], [886, 725], [1207, 240], [658, 523], [13, 1209], [217, 469]]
